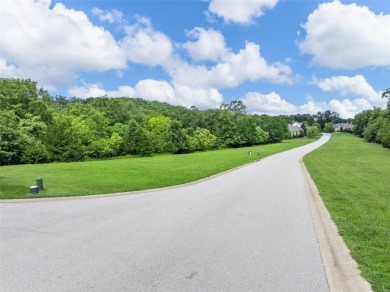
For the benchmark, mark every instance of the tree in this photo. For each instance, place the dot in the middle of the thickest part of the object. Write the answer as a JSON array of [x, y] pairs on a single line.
[[158, 128], [383, 134], [236, 107], [374, 123], [134, 137], [12, 142], [64, 139], [312, 131], [222, 124], [204, 139], [304, 127], [329, 127], [319, 127], [34, 130], [386, 94], [23, 97], [115, 143], [275, 126], [178, 137], [246, 132], [360, 122]]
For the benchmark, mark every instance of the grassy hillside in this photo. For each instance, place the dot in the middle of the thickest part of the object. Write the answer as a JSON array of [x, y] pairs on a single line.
[[128, 173], [353, 178]]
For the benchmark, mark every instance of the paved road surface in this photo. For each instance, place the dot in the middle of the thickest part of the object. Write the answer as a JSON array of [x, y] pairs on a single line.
[[246, 230]]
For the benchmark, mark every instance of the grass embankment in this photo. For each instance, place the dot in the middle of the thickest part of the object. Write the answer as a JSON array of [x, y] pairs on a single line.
[[128, 173], [353, 179]]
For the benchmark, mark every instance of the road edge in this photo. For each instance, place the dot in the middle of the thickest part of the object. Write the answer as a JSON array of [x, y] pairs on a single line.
[[128, 193], [341, 269]]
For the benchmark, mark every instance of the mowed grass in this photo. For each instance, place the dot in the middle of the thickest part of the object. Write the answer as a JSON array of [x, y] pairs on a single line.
[[128, 173], [353, 179]]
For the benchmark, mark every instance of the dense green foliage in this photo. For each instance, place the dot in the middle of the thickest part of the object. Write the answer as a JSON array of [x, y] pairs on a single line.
[[128, 173], [353, 180], [37, 128], [374, 125]]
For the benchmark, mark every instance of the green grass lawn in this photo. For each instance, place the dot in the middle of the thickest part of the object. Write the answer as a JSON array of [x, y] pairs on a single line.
[[128, 173], [353, 179]]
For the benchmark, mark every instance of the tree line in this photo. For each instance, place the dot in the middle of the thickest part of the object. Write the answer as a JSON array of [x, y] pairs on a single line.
[[38, 128], [374, 125]]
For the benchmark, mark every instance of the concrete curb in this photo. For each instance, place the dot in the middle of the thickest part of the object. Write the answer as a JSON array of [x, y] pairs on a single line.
[[341, 270], [72, 198]]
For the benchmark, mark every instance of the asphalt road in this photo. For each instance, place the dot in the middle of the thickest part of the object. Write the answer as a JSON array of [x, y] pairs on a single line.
[[245, 230]]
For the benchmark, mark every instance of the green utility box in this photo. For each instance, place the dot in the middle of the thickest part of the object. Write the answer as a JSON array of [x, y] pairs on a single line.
[[40, 183]]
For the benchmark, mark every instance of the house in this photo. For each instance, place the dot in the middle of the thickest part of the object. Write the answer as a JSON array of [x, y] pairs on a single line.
[[296, 124], [295, 130], [342, 127]]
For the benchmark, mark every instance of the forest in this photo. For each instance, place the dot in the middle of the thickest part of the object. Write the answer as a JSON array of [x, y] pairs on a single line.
[[38, 128]]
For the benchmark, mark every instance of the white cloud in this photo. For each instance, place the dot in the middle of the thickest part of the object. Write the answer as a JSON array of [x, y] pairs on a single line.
[[56, 40], [96, 90], [8, 70], [347, 108], [210, 45], [235, 69], [274, 104], [86, 91], [177, 94], [240, 11], [270, 103], [110, 16], [48, 77], [61, 37], [347, 36], [312, 107], [143, 45], [150, 89], [203, 98], [355, 86]]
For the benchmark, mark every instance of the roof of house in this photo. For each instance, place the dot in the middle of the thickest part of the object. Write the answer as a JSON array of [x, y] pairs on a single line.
[[292, 128], [343, 125]]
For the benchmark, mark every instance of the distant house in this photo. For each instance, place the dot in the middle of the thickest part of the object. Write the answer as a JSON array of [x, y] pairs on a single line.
[[342, 127], [296, 124], [295, 130]]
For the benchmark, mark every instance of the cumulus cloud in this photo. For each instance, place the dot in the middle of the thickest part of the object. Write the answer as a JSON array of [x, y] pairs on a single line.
[[203, 98], [150, 89], [48, 77], [59, 36], [209, 46], [111, 16], [177, 94], [96, 90], [239, 11], [347, 108], [160, 90], [312, 107], [274, 104], [55, 45], [143, 45], [347, 36], [355, 86], [233, 70], [270, 103], [57, 40]]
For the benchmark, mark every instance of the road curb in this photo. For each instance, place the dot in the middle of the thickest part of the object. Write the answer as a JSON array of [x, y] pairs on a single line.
[[99, 196], [341, 269]]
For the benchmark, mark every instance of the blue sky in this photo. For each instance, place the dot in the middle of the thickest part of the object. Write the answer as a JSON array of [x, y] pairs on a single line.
[[277, 56]]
